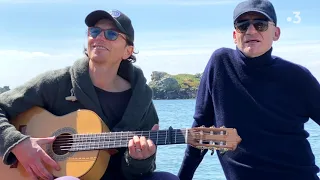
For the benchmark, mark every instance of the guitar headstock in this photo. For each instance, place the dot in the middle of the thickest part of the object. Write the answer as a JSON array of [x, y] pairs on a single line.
[[213, 138]]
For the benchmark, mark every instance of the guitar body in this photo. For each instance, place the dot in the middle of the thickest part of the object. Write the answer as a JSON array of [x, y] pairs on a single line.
[[38, 122]]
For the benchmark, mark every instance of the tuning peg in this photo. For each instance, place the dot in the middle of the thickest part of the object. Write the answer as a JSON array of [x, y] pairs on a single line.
[[212, 126], [222, 127]]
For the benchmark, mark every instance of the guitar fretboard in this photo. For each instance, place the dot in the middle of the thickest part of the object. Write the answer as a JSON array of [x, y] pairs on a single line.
[[83, 142]]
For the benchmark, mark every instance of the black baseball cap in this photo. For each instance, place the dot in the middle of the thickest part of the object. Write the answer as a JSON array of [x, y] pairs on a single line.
[[122, 21], [264, 7]]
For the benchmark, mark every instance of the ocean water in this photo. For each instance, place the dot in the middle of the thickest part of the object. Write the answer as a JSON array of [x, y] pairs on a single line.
[[178, 114]]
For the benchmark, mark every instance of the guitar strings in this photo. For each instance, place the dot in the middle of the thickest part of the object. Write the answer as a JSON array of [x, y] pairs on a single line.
[[135, 133], [78, 142], [76, 139], [109, 136], [98, 145], [103, 138], [130, 134], [81, 144]]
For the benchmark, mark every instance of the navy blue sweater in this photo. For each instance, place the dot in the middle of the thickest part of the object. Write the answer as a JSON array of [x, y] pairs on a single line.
[[268, 100]]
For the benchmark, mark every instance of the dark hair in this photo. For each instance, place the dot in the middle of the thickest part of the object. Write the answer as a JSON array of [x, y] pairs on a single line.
[[131, 59]]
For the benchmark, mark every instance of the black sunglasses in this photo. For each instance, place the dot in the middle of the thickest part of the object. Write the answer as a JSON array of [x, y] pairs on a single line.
[[259, 25], [109, 34]]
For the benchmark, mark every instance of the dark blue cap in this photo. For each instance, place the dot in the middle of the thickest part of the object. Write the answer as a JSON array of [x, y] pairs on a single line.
[[264, 7], [122, 21]]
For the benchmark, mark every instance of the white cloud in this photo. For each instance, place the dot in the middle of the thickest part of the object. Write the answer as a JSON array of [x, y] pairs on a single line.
[[18, 67]]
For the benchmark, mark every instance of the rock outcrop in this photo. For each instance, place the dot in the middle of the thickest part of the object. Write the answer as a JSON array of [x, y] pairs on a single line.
[[181, 86]]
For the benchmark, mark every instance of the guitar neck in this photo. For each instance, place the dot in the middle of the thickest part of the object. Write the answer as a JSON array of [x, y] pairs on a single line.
[[111, 140]]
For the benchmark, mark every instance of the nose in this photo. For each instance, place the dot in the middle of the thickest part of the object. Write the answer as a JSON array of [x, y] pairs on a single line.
[[100, 36], [251, 29]]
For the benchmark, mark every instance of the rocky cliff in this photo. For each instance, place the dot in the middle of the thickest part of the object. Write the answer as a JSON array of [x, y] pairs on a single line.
[[180, 86]]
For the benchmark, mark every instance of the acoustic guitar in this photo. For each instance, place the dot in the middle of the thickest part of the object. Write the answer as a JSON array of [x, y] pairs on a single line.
[[83, 142]]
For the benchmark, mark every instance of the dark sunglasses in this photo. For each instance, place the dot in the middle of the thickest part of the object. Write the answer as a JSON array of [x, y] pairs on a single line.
[[109, 34], [259, 25]]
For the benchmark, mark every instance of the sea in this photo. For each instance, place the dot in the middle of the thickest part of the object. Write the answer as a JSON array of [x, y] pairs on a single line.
[[178, 114]]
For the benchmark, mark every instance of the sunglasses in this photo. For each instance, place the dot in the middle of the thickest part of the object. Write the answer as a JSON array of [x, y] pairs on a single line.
[[109, 34], [259, 25]]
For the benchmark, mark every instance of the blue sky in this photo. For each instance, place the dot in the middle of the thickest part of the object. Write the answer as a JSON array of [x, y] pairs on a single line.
[[176, 36]]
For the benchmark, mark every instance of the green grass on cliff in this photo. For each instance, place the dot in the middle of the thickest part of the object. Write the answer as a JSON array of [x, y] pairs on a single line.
[[187, 80]]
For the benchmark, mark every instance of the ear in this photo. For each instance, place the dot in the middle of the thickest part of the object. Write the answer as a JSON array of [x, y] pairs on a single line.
[[234, 37], [276, 33], [127, 52]]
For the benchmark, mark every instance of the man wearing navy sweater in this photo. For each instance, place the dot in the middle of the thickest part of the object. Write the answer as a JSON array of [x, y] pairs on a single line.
[[266, 98]]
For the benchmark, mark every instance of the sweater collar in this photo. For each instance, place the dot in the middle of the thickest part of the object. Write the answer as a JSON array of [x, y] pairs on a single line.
[[260, 61]]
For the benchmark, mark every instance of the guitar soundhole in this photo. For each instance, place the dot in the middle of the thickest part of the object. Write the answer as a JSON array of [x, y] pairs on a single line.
[[62, 144]]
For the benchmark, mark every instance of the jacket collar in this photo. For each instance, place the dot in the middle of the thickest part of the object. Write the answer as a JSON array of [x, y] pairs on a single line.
[[139, 102]]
